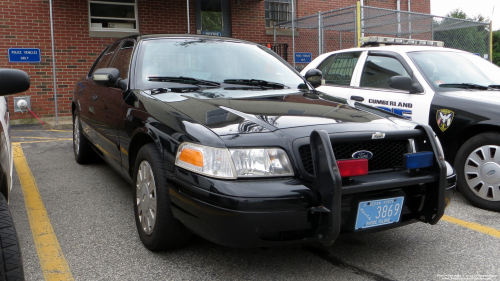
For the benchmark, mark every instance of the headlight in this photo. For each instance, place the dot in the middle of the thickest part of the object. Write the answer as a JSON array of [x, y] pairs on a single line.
[[233, 163], [261, 162], [205, 160]]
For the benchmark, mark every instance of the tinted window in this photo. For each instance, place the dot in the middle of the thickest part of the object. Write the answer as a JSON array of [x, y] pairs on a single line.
[[326, 64], [122, 58], [339, 72], [105, 57], [378, 70]]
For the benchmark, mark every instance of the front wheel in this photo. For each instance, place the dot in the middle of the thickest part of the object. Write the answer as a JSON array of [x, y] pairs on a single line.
[[157, 227], [478, 170]]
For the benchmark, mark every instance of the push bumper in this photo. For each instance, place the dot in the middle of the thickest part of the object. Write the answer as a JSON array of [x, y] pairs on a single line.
[[258, 213]]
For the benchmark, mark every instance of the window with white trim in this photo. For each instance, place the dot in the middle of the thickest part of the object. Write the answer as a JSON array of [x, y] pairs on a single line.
[[277, 11], [113, 15]]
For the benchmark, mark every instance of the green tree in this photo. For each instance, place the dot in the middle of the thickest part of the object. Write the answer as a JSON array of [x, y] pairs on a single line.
[[463, 35], [457, 14], [496, 47]]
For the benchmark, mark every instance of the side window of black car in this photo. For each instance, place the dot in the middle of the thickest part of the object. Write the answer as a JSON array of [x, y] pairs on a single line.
[[121, 61], [105, 57], [337, 70], [379, 69]]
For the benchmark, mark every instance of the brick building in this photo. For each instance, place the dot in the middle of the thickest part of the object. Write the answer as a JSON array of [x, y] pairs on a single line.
[[83, 28]]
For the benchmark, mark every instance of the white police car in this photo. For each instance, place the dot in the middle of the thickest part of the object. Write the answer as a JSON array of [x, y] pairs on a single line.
[[457, 93]]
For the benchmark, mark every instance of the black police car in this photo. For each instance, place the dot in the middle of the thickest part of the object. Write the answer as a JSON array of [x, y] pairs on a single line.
[[222, 138]]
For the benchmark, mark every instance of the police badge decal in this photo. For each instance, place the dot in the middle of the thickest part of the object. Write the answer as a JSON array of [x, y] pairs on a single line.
[[444, 118]]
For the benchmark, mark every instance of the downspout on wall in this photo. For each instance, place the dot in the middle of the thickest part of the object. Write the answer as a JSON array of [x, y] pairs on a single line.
[[53, 59], [399, 17], [189, 27], [362, 19], [409, 18]]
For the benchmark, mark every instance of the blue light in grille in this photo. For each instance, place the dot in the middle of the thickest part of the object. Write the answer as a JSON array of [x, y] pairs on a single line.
[[418, 160]]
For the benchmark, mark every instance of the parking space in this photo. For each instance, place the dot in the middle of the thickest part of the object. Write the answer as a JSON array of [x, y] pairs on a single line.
[[89, 208]]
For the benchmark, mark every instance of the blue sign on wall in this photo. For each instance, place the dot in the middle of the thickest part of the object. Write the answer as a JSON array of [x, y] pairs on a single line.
[[212, 33], [303, 57], [24, 55]]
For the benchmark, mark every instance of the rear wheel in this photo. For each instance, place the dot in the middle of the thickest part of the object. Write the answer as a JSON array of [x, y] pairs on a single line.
[[478, 171], [157, 227], [11, 265], [83, 152]]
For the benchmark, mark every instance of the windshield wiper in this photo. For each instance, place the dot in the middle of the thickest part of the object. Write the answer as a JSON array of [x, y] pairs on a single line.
[[464, 86], [494, 86], [255, 83], [183, 80]]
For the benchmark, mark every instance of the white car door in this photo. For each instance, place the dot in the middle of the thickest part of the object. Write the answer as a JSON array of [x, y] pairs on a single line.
[[337, 72], [371, 86]]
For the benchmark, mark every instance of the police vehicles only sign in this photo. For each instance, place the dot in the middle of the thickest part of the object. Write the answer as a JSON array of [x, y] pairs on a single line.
[[24, 55], [303, 57]]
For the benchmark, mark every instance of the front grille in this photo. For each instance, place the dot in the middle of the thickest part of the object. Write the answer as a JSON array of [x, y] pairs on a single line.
[[387, 154]]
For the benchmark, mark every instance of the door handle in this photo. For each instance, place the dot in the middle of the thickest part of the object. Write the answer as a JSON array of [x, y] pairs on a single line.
[[94, 97], [357, 98]]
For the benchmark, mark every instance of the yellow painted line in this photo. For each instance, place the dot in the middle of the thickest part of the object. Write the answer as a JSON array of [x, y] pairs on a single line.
[[40, 131], [52, 261], [473, 226], [44, 141], [43, 138]]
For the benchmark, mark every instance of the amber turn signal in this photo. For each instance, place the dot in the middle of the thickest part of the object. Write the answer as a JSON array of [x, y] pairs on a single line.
[[192, 157]]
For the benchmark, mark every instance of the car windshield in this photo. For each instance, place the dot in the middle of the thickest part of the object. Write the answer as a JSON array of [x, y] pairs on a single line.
[[447, 71], [171, 63]]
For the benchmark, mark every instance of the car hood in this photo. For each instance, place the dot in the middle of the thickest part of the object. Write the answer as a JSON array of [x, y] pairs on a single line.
[[476, 95], [267, 111]]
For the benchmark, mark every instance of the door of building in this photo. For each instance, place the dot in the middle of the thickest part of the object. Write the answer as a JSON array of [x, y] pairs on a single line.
[[212, 17]]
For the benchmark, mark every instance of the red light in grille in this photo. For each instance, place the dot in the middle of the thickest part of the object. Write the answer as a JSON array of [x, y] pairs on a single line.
[[351, 168]]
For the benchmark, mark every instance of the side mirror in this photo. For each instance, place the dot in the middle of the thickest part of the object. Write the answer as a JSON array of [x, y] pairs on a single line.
[[315, 77], [106, 76], [13, 81], [405, 83]]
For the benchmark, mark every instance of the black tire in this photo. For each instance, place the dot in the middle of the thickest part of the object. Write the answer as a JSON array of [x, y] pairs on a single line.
[[166, 232], [84, 154], [486, 193], [11, 263]]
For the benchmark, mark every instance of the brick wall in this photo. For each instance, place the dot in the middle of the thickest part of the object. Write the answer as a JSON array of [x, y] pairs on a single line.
[[26, 24]]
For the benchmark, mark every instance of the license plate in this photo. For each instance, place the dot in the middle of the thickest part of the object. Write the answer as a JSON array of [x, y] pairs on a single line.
[[378, 212]]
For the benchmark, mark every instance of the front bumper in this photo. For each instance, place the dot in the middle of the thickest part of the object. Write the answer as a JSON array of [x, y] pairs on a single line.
[[257, 213]]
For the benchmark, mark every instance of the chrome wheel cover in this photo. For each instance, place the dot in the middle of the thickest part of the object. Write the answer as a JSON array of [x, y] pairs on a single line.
[[482, 172], [76, 135], [145, 194]]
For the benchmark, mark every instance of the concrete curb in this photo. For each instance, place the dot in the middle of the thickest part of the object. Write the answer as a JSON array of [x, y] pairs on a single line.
[[59, 126], [64, 122]]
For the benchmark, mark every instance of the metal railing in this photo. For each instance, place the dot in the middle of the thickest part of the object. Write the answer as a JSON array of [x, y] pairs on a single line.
[[342, 28], [279, 48]]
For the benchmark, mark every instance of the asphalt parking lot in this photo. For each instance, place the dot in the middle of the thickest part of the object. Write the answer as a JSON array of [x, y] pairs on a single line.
[[88, 233]]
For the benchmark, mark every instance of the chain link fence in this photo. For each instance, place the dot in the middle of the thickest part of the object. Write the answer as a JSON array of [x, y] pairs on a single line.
[[341, 28]]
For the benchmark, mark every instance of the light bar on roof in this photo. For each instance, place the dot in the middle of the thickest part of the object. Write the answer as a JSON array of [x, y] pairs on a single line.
[[398, 41]]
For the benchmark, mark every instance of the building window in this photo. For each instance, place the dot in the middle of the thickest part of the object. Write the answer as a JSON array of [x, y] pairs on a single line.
[[277, 11], [113, 15]]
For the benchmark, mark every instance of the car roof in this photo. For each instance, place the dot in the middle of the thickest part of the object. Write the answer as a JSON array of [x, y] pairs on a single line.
[[401, 49], [140, 37]]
